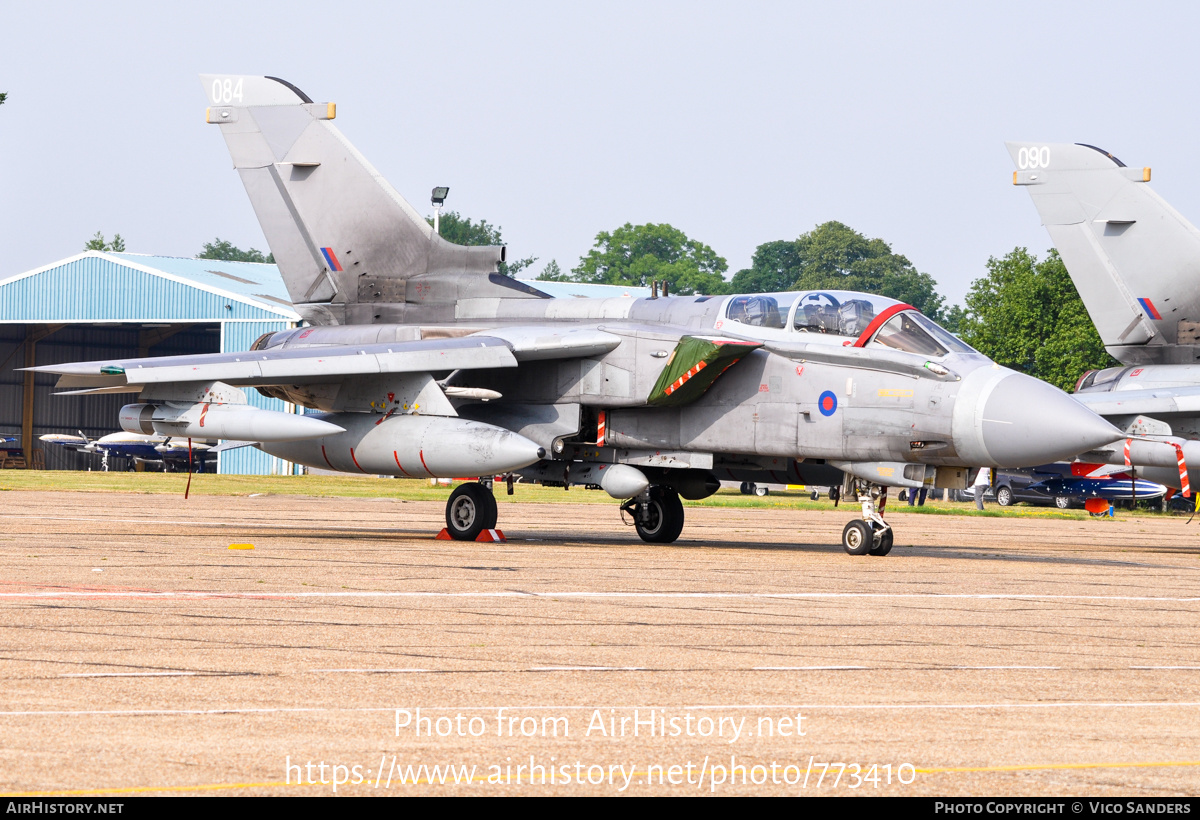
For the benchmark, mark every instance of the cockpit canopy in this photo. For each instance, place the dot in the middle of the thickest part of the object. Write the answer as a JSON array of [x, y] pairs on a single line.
[[841, 317]]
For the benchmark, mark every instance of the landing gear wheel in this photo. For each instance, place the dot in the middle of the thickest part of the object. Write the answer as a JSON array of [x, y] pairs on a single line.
[[885, 543], [746, 488], [858, 538], [761, 491], [659, 520], [1062, 502], [470, 510], [1004, 496], [814, 495]]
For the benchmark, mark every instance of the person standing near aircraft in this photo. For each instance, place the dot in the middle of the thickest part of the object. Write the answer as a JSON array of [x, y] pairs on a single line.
[[983, 480]]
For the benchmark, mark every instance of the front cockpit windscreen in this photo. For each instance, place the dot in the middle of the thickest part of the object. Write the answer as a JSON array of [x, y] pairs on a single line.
[[913, 332]]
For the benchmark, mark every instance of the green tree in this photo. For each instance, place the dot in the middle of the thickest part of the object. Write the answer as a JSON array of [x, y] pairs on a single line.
[[638, 254], [222, 249], [456, 228], [1027, 315], [833, 256], [553, 273], [3, 97], [99, 243]]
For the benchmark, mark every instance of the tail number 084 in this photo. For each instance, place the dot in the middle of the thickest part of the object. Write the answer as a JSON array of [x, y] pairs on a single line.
[[1033, 157], [227, 91]]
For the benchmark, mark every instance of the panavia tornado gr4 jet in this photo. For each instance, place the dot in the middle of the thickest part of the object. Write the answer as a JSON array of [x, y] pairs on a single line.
[[1135, 261], [426, 362]]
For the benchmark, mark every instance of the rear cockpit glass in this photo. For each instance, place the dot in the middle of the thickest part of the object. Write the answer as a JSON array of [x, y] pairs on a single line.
[[758, 310]]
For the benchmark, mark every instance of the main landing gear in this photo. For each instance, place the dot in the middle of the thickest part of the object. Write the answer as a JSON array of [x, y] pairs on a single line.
[[657, 514], [870, 535], [470, 510]]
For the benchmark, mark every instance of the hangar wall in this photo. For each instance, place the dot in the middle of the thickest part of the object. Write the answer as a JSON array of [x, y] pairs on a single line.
[[107, 305]]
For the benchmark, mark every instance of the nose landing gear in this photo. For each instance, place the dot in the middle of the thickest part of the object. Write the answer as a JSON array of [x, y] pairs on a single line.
[[870, 535]]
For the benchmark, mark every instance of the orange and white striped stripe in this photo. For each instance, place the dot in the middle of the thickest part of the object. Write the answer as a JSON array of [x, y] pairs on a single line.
[[678, 383], [1184, 488], [600, 430]]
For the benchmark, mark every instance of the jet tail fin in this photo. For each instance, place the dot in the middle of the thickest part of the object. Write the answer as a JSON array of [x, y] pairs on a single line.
[[1133, 258], [349, 247]]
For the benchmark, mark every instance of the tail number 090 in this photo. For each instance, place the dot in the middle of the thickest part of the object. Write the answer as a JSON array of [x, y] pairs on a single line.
[[227, 91], [1033, 157]]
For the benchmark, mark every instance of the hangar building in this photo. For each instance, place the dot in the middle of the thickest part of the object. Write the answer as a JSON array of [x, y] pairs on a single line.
[[98, 305]]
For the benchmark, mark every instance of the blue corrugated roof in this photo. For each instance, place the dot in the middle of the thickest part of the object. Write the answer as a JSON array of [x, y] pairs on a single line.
[[109, 287], [253, 279], [98, 286]]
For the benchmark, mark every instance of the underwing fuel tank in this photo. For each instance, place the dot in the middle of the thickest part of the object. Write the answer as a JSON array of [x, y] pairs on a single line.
[[618, 480], [411, 446], [239, 422]]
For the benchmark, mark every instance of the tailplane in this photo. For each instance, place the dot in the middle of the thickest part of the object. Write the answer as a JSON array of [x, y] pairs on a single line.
[[350, 249], [1133, 258]]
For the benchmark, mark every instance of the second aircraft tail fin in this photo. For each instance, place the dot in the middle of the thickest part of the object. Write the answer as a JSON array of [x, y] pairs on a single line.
[[1133, 258]]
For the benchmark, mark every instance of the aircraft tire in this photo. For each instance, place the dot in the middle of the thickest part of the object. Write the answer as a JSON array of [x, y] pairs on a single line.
[[885, 543], [747, 488], [470, 510], [1004, 496], [1063, 502], [665, 517], [858, 538], [814, 495], [761, 492]]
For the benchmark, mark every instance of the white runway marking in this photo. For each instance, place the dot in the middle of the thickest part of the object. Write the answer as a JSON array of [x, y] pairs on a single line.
[[805, 668], [373, 671], [1004, 667], [832, 707], [587, 669], [580, 594], [1165, 667]]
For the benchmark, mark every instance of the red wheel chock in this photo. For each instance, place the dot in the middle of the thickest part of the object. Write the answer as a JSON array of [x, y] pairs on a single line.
[[486, 535]]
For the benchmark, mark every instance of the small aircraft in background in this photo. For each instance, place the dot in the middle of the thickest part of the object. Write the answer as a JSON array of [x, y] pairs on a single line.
[[170, 452], [1079, 481]]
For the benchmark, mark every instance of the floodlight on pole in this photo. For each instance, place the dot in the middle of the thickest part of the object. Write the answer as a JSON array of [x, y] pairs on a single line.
[[438, 199]]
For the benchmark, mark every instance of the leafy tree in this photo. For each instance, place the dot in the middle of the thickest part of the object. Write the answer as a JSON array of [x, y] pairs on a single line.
[[98, 243], [553, 273], [638, 254], [3, 97], [952, 319], [1027, 315], [222, 249], [456, 228], [833, 256]]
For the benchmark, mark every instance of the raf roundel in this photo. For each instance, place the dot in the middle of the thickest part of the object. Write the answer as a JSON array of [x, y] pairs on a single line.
[[827, 403]]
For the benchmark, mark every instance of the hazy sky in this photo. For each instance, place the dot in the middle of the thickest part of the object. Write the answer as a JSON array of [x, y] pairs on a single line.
[[737, 123]]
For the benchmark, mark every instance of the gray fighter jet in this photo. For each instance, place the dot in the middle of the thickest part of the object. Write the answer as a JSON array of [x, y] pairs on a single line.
[[1136, 264], [426, 362]]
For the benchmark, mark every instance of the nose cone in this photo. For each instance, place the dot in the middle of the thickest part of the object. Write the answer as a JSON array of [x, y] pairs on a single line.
[[1024, 422]]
